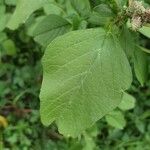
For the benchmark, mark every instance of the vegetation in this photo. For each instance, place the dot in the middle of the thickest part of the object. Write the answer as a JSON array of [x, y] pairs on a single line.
[[74, 75]]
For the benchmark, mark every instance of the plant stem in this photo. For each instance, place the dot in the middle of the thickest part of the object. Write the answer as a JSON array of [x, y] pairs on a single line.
[[1, 139]]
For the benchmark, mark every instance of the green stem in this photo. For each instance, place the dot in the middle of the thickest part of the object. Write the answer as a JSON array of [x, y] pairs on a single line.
[[1, 139]]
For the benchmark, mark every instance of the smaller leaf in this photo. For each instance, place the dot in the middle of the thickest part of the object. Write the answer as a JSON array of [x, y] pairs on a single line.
[[140, 65], [3, 21], [52, 8], [89, 142], [9, 47], [82, 7], [49, 28], [31, 27], [128, 102], [3, 36], [121, 3], [22, 12], [101, 15], [116, 119], [145, 31], [127, 41]]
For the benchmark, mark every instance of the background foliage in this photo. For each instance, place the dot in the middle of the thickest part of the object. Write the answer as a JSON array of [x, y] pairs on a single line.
[[22, 44]]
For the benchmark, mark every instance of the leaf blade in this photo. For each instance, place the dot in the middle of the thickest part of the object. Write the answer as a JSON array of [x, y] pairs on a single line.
[[74, 72], [140, 65], [49, 28], [23, 10]]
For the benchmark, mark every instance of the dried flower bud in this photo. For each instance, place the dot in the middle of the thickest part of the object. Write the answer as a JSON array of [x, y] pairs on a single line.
[[138, 6], [136, 22], [135, 7], [146, 16], [138, 14]]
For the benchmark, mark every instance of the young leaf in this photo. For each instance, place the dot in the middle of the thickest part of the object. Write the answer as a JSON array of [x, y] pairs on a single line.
[[121, 3], [9, 47], [23, 10], [81, 81], [52, 8], [89, 142], [49, 28], [31, 27], [82, 7], [140, 65], [101, 15], [128, 102], [116, 119]]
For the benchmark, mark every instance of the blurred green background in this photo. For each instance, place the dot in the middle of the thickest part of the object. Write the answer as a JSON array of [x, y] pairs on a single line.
[[20, 81]]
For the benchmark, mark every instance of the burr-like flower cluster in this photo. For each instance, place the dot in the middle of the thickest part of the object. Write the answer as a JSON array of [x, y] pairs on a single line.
[[138, 14]]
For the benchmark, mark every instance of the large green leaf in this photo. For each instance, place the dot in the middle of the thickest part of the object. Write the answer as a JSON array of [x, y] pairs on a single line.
[[49, 28], [85, 74], [23, 10]]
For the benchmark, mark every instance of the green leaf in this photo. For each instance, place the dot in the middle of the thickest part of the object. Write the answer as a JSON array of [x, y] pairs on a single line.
[[9, 47], [140, 65], [1, 2], [121, 3], [23, 10], [35, 22], [81, 81], [3, 21], [49, 28], [101, 15], [89, 142], [145, 31], [127, 41], [82, 7], [128, 102], [2, 9], [116, 119], [52, 8], [89, 136], [3, 36], [11, 2]]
